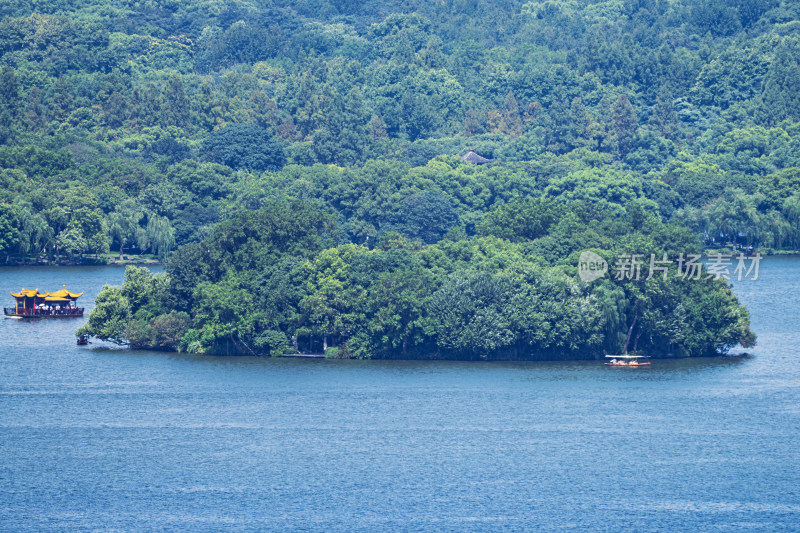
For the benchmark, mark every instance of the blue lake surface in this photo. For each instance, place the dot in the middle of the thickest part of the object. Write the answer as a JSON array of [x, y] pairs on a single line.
[[99, 438]]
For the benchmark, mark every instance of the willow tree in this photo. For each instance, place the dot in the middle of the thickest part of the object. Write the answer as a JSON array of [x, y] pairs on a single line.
[[160, 235], [35, 234], [124, 227], [9, 235]]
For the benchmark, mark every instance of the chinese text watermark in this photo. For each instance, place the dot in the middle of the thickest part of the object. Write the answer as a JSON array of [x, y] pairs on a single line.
[[636, 267]]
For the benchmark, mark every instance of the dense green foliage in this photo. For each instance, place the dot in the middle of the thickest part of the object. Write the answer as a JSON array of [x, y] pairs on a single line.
[[139, 126], [135, 126], [271, 281]]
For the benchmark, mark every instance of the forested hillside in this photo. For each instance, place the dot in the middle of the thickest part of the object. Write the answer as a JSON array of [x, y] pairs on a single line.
[[299, 164], [135, 126]]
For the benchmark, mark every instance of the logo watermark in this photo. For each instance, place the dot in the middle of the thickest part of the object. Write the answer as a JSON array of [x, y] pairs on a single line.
[[592, 267]]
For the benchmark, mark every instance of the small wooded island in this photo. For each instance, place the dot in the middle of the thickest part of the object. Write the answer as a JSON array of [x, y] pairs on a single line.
[[279, 280]]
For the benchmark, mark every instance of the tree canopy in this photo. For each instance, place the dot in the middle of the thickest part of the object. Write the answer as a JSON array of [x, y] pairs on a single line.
[[272, 281], [181, 114]]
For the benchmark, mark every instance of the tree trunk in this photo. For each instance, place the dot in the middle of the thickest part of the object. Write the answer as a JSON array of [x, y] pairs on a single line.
[[630, 329], [121, 246]]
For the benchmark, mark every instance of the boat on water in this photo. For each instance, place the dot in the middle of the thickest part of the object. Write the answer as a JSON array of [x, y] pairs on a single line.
[[627, 360], [30, 303]]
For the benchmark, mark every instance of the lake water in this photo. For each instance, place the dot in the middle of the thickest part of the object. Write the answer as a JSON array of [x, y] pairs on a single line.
[[94, 438]]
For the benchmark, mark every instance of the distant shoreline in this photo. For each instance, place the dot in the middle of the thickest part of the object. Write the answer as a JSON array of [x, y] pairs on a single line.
[[107, 261], [145, 261]]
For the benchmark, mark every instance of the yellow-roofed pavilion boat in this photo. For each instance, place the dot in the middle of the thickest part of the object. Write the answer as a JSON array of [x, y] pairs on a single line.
[[34, 304]]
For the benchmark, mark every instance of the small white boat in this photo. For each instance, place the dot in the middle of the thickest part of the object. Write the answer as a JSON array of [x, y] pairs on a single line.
[[627, 360]]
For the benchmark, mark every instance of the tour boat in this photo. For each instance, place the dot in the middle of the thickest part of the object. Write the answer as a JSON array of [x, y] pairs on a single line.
[[34, 304], [627, 360]]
